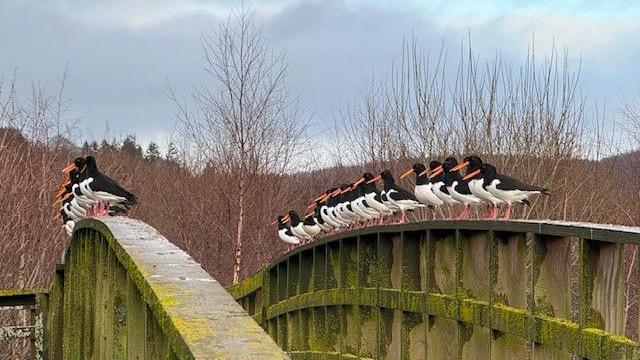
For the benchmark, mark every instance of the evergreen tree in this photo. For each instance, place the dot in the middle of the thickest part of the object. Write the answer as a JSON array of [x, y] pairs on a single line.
[[172, 153], [131, 147], [153, 152]]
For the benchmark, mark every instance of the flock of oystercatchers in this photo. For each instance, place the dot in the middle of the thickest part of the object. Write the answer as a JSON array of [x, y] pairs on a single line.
[[361, 203], [88, 192]]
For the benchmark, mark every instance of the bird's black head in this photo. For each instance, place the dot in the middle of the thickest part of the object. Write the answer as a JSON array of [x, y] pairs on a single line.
[[452, 159], [488, 171], [473, 161], [434, 164], [418, 168], [295, 218], [92, 166], [386, 175], [80, 163], [448, 165], [387, 178], [367, 177]]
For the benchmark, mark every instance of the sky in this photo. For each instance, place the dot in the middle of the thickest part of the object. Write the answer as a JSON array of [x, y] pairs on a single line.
[[122, 54]]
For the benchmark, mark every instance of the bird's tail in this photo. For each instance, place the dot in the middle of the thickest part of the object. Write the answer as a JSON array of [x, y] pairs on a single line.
[[546, 192]]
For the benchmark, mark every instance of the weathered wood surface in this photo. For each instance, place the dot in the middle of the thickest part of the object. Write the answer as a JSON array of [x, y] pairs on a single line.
[[451, 290], [128, 293]]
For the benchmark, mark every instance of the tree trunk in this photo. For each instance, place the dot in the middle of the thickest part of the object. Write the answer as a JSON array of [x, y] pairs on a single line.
[[236, 267]]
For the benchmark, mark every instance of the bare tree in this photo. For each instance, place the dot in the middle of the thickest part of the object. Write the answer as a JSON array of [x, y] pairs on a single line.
[[244, 120]]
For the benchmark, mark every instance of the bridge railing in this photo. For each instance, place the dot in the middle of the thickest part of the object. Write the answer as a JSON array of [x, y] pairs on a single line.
[[454, 289], [125, 291], [27, 307]]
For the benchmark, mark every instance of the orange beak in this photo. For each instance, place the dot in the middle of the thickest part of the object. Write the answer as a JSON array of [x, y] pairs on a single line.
[[338, 191], [66, 183], [358, 182], [406, 173], [285, 218], [437, 171], [374, 180], [424, 172], [312, 206], [61, 199], [61, 192], [345, 190], [460, 166], [471, 174], [308, 215], [320, 197], [69, 168], [56, 216]]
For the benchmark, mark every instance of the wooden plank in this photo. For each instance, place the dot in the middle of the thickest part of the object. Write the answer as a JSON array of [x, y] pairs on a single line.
[[55, 317], [136, 323]]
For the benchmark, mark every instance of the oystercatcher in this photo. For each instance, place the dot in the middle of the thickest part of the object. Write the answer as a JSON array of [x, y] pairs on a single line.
[[508, 189], [439, 188], [423, 189], [297, 226], [478, 185], [104, 190], [284, 232], [310, 226], [373, 197], [397, 196], [458, 188]]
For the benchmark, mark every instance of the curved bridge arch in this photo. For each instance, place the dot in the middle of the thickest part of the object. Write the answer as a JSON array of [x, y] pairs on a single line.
[[126, 292], [450, 289]]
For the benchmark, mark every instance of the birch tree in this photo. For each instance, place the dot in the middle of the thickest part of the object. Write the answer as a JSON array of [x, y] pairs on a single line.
[[244, 120]]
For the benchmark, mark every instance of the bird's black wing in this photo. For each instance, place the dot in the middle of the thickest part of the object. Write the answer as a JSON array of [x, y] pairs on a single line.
[[509, 183], [107, 184], [402, 194]]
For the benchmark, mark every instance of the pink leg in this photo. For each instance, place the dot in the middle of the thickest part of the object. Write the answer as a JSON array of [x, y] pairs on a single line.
[[488, 214], [494, 214], [507, 212], [402, 217], [462, 214]]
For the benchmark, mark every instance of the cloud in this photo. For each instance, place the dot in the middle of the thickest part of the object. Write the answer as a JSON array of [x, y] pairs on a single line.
[[121, 53]]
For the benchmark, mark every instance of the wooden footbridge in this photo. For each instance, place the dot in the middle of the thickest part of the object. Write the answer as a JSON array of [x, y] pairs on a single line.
[[430, 290]]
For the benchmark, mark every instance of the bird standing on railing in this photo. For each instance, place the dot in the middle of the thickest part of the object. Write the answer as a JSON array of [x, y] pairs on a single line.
[[284, 232], [88, 192], [398, 197], [478, 185], [424, 186], [506, 188], [457, 187]]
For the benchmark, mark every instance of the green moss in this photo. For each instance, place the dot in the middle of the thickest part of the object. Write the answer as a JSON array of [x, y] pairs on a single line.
[[543, 307], [247, 286], [21, 292]]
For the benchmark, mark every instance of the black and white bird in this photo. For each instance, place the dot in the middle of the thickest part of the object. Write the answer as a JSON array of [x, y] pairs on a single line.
[[297, 226], [478, 185], [423, 189], [438, 187], [88, 192], [458, 188], [310, 226], [318, 214], [508, 189], [402, 199], [373, 197], [284, 232], [104, 191]]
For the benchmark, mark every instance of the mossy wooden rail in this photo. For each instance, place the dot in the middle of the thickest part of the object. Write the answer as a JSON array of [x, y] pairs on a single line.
[[126, 292], [451, 290]]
